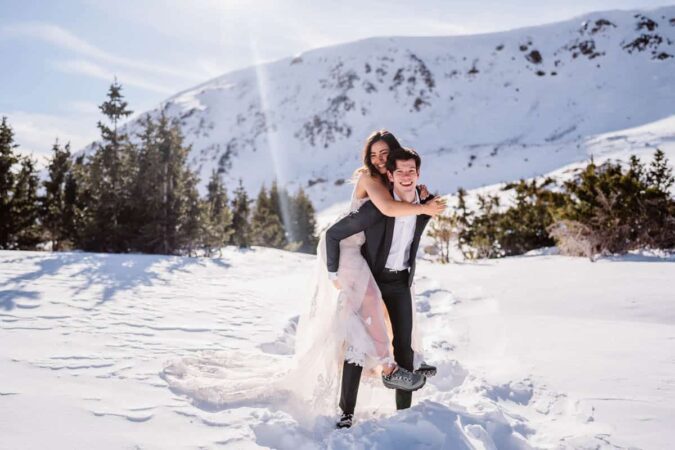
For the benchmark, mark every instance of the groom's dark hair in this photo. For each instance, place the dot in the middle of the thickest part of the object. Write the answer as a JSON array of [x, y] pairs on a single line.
[[402, 154]]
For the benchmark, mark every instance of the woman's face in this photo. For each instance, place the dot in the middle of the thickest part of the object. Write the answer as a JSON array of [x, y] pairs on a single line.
[[378, 156]]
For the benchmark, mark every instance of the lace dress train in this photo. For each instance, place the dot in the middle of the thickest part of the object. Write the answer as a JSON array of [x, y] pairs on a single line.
[[351, 324], [347, 325]]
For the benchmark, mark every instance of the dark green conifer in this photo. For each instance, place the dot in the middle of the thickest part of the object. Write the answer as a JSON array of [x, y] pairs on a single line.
[[219, 227], [241, 235], [25, 207], [53, 202], [267, 229], [8, 159], [112, 174], [303, 223]]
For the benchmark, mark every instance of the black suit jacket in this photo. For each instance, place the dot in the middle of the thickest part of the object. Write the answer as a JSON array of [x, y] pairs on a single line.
[[379, 230]]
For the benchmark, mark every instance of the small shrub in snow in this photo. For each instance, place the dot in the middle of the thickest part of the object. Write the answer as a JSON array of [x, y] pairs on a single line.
[[624, 208], [605, 209]]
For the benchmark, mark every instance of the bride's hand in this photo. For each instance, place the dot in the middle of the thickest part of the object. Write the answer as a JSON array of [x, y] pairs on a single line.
[[435, 206], [424, 192]]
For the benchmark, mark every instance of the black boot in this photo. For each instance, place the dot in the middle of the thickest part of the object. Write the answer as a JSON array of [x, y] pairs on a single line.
[[426, 370], [345, 421]]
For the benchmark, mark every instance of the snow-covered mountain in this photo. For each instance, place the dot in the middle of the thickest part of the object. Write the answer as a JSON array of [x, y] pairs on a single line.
[[480, 109]]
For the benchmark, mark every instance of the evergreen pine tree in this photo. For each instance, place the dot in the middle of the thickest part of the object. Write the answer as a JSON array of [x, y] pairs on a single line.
[[165, 191], [73, 205], [266, 227], [148, 199], [522, 227], [658, 220], [660, 175], [464, 218], [485, 227], [7, 178], [303, 223], [53, 208], [275, 197], [241, 235], [618, 210], [193, 223], [178, 186], [25, 207], [637, 168], [112, 170], [219, 224], [280, 206]]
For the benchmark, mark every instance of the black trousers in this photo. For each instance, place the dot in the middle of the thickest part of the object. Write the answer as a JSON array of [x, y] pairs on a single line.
[[397, 299]]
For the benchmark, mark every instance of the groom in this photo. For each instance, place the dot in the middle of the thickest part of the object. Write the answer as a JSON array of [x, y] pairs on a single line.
[[390, 249]]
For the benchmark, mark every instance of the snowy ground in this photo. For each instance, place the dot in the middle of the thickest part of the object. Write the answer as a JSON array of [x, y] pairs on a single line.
[[538, 351]]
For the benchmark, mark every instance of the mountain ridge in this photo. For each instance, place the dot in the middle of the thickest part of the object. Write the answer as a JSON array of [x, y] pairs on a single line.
[[480, 108]]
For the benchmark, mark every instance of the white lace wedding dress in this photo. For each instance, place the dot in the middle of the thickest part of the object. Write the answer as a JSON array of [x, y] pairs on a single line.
[[351, 324]]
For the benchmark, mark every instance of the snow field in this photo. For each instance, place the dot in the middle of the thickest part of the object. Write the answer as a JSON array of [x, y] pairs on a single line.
[[541, 351]]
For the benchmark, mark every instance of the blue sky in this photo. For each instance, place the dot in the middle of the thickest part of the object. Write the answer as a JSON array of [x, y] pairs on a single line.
[[58, 57]]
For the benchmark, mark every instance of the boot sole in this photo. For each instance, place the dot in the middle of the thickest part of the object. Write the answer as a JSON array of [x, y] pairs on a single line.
[[390, 386]]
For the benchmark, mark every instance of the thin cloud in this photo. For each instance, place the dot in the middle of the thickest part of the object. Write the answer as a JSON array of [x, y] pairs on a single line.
[[82, 67], [57, 36]]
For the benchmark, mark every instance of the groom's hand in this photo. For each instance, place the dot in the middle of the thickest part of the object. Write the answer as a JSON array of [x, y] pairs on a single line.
[[336, 283]]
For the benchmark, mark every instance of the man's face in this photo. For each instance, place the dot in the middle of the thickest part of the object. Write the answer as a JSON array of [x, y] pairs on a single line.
[[405, 176]]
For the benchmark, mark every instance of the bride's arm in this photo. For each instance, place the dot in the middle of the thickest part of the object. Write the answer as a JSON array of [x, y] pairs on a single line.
[[347, 226], [384, 202]]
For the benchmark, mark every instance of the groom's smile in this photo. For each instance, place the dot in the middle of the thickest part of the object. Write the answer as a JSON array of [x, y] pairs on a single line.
[[404, 178]]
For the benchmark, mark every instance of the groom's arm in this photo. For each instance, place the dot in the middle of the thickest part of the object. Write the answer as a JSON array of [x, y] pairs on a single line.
[[349, 225]]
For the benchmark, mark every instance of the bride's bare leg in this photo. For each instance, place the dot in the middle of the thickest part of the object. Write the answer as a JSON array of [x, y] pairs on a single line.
[[373, 315], [387, 369]]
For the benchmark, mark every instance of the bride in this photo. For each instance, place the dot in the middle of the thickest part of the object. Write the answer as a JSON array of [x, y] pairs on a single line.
[[348, 323], [347, 319]]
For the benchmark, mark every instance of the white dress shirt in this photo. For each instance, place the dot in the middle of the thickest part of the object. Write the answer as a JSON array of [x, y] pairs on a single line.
[[404, 232]]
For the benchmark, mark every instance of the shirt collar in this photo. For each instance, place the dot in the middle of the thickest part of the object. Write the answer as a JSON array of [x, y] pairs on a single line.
[[417, 197]]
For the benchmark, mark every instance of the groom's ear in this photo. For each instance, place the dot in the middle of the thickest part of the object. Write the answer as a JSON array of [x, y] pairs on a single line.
[[390, 176]]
